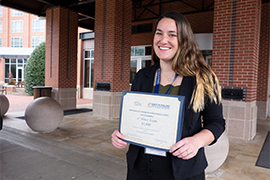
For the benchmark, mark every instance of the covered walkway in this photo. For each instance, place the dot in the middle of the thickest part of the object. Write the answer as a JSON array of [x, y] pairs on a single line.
[[83, 136]]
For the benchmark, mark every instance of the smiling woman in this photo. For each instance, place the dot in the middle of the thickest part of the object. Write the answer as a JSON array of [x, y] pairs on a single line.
[[179, 69]]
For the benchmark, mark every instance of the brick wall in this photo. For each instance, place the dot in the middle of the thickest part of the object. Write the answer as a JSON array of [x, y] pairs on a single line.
[[112, 44], [61, 48], [245, 46], [264, 57]]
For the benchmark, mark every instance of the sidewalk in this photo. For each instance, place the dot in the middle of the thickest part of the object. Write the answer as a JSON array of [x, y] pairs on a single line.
[[81, 149]]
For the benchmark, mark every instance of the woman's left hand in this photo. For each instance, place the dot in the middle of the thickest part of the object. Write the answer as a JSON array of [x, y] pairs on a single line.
[[186, 148]]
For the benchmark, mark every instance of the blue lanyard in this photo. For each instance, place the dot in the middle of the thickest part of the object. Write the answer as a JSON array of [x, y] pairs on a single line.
[[158, 82]]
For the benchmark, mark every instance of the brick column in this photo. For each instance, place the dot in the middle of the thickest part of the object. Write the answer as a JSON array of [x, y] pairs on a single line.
[[61, 55], [112, 55], [235, 61], [264, 63]]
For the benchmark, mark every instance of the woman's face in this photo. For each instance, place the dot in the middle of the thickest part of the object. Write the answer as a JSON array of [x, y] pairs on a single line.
[[165, 39]]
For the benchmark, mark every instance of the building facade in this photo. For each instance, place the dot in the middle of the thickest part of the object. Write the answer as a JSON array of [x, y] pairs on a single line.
[[103, 64], [20, 33]]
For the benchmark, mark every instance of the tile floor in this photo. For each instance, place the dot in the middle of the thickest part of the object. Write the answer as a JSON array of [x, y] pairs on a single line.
[[93, 133]]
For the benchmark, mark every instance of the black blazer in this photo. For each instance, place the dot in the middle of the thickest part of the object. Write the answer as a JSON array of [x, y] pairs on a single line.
[[212, 120]]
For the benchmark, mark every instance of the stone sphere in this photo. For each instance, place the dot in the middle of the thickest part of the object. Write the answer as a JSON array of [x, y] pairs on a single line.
[[217, 153], [4, 104], [44, 114]]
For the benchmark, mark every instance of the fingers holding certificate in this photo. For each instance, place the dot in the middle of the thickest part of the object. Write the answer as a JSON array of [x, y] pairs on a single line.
[[151, 120]]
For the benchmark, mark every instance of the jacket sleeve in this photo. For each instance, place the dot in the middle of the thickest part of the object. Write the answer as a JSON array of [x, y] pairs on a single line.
[[213, 119]]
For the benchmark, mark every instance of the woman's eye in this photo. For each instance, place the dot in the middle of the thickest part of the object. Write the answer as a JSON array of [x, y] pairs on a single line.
[[158, 33], [172, 35]]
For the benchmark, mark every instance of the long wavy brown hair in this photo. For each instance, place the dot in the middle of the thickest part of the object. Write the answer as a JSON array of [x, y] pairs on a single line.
[[189, 61]]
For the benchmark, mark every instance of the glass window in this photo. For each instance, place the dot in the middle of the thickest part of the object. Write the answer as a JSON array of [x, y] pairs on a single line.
[[6, 73], [36, 40], [140, 58], [92, 54], [86, 73], [132, 53], [148, 50], [1, 11], [1, 26], [13, 70], [16, 13], [0, 42], [139, 51], [17, 26], [16, 42], [20, 61], [38, 25], [13, 61], [88, 68], [146, 63], [133, 69], [92, 73], [15, 67], [86, 54]]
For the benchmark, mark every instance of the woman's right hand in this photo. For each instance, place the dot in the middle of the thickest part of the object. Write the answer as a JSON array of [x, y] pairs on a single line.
[[117, 140]]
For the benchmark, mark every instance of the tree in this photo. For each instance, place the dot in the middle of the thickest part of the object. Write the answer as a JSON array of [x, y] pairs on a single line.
[[34, 72]]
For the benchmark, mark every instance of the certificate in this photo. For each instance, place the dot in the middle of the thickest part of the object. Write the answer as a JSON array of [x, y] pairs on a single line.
[[151, 120]]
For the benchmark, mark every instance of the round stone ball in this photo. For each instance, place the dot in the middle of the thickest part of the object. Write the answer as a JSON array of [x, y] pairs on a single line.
[[217, 153], [44, 115], [4, 104]]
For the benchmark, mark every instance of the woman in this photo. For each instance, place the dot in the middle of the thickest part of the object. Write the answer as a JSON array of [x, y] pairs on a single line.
[[182, 71]]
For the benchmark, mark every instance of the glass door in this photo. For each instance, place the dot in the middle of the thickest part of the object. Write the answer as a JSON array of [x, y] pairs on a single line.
[[19, 76], [137, 63]]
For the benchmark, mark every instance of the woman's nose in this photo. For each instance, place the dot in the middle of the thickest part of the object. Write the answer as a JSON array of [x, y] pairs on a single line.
[[164, 39]]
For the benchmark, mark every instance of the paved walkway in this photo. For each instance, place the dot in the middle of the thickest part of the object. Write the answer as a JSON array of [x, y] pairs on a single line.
[[81, 149]]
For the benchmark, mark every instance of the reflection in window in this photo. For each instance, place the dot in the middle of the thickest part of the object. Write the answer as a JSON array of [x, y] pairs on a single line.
[[16, 42], [16, 13], [38, 25], [146, 63], [1, 11], [133, 69], [16, 68], [36, 40], [17, 26], [132, 52], [1, 26], [88, 68], [140, 50]]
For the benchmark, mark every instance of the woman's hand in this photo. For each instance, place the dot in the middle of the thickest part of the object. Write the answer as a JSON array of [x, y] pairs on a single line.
[[188, 147], [116, 140]]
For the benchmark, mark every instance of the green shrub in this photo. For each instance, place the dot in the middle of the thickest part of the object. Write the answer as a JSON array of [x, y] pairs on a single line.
[[34, 73], [11, 83]]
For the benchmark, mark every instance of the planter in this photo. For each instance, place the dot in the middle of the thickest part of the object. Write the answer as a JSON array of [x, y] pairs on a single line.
[[11, 88]]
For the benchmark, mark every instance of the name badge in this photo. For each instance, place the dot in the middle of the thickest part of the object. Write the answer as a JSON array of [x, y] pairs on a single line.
[[155, 152]]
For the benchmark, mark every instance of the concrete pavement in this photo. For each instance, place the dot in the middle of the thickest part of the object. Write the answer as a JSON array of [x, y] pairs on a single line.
[[28, 157]]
